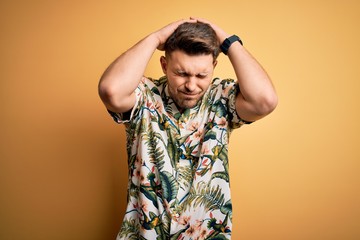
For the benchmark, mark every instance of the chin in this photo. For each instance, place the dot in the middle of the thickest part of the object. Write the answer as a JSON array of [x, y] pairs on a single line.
[[188, 104]]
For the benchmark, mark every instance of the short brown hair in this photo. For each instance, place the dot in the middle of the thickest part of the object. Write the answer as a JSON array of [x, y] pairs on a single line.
[[194, 39]]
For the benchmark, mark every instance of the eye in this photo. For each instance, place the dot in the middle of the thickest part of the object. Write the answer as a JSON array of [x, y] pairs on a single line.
[[201, 76], [182, 74]]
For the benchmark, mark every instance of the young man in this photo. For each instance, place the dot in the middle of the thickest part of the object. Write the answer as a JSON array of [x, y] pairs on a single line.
[[178, 128]]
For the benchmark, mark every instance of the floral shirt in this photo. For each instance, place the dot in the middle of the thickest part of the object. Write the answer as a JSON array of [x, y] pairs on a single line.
[[178, 164]]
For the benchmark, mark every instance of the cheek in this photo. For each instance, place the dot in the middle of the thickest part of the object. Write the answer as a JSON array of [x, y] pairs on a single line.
[[173, 86], [175, 82]]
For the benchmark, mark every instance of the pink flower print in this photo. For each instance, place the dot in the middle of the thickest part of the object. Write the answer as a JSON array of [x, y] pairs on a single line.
[[135, 206], [138, 163], [137, 173], [144, 206], [205, 150], [199, 133], [198, 224], [221, 122], [203, 233], [143, 180], [158, 106], [193, 126], [190, 231], [184, 220]]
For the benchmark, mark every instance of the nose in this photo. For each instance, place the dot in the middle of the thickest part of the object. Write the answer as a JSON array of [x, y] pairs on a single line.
[[190, 84]]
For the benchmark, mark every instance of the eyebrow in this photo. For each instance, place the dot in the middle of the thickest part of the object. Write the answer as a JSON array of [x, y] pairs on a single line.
[[178, 71]]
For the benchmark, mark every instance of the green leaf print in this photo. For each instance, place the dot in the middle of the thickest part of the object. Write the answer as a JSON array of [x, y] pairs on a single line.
[[219, 109], [185, 176], [130, 229], [211, 197], [172, 150], [156, 154], [223, 153], [134, 190], [169, 185], [227, 208], [143, 127], [150, 194], [209, 135], [155, 90], [176, 235], [222, 175]]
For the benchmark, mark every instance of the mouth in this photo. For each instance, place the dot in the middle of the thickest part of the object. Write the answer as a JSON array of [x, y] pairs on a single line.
[[189, 94], [190, 97]]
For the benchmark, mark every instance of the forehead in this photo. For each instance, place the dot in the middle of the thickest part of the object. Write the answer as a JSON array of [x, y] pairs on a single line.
[[179, 60]]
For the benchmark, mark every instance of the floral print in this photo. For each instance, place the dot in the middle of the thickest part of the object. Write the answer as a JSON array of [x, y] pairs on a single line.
[[178, 163]]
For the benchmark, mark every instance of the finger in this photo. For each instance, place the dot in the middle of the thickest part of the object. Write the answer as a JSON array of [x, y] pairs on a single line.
[[192, 20], [179, 22], [200, 19]]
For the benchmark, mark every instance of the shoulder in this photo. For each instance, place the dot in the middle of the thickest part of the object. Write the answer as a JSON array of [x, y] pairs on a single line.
[[159, 82], [223, 82], [149, 82], [224, 86]]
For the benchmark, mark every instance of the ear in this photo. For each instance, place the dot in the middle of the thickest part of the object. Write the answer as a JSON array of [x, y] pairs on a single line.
[[163, 63], [215, 63]]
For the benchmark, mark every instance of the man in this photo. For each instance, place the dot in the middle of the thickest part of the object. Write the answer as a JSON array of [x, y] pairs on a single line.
[[178, 128]]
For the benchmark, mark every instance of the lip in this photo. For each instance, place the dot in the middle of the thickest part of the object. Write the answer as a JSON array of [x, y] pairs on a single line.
[[189, 95]]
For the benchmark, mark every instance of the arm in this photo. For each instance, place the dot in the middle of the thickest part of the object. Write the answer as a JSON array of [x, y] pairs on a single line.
[[257, 96], [121, 78]]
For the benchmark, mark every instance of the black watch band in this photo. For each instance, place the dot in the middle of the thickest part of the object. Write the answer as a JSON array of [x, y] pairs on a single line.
[[227, 43]]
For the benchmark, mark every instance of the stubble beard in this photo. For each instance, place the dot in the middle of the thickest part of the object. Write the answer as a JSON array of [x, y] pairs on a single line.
[[182, 102], [185, 103]]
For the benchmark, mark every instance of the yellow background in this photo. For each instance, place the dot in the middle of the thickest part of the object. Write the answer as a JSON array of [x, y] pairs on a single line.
[[294, 175]]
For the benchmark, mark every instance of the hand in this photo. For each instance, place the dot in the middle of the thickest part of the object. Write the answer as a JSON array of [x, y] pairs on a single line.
[[165, 32], [220, 33]]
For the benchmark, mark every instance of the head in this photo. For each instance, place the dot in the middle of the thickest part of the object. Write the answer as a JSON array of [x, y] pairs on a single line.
[[189, 61], [194, 39]]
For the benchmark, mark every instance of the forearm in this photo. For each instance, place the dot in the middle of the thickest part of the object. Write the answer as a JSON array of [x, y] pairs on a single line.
[[121, 78], [257, 95]]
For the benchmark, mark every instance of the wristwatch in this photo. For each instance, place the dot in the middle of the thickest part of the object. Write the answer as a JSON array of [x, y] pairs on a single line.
[[227, 43]]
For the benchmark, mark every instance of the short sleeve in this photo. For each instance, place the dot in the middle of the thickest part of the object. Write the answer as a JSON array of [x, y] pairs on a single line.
[[128, 116], [230, 91]]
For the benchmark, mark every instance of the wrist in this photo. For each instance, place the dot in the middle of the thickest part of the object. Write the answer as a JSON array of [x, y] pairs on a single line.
[[226, 44], [223, 38]]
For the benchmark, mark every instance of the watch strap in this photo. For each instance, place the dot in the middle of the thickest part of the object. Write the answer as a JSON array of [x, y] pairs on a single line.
[[227, 43]]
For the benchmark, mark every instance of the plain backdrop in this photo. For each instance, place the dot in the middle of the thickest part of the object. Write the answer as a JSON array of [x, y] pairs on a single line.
[[63, 167]]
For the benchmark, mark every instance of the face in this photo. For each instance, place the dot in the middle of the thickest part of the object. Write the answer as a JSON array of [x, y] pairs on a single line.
[[188, 77]]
